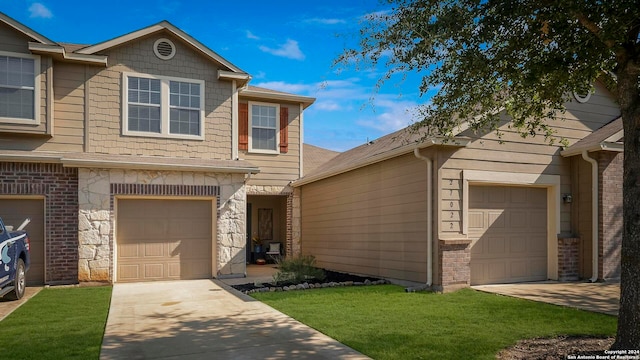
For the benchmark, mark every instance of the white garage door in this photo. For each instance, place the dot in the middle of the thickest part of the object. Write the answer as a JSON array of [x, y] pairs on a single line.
[[509, 227], [164, 239], [13, 212]]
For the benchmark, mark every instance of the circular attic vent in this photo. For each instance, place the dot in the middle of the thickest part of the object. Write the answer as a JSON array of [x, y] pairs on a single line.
[[582, 98], [164, 49]]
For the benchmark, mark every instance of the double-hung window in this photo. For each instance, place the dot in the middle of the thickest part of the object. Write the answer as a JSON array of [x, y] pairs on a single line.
[[160, 106], [19, 88], [264, 126]]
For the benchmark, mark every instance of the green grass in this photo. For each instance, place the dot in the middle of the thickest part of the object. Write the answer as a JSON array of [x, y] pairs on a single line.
[[57, 323], [384, 322]]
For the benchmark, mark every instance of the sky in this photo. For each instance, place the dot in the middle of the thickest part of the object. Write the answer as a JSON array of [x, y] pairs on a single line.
[[284, 45]]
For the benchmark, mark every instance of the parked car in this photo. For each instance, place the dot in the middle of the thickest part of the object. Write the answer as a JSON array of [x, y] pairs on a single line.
[[15, 259]]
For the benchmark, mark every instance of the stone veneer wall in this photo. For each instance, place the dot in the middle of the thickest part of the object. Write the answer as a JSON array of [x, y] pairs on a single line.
[[610, 214], [292, 243], [59, 186], [568, 259], [455, 259], [97, 188]]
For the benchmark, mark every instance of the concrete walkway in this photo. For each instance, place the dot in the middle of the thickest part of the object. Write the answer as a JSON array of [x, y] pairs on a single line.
[[204, 319], [598, 297]]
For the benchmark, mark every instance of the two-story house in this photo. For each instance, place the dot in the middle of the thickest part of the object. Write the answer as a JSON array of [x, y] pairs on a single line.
[[143, 157]]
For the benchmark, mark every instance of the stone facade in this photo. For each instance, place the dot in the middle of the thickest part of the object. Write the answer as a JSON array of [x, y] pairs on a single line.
[[96, 216], [59, 186], [610, 214]]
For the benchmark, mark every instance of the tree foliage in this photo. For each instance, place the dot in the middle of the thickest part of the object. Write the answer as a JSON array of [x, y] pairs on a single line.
[[525, 58]]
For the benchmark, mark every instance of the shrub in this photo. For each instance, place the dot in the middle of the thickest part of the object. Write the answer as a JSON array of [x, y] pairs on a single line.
[[298, 269]]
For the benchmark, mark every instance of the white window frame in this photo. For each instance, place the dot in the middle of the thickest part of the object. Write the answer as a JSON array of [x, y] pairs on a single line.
[[250, 127], [36, 90], [164, 107]]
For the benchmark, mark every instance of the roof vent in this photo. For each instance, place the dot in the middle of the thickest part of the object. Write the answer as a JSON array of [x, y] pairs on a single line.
[[582, 98], [164, 49]]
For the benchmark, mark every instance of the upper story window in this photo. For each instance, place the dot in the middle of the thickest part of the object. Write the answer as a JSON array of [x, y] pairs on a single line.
[[19, 87], [264, 126], [160, 106]]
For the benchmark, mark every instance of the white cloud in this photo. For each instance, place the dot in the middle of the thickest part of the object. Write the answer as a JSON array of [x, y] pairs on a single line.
[[250, 35], [326, 21], [395, 114], [38, 10], [328, 105], [287, 87], [290, 50], [260, 75]]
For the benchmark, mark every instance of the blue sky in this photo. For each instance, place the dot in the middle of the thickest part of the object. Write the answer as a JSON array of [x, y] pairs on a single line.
[[285, 45]]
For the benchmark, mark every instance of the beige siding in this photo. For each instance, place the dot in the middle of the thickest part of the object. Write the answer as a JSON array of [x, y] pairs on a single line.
[[533, 155], [105, 101], [371, 221], [279, 169], [16, 42]]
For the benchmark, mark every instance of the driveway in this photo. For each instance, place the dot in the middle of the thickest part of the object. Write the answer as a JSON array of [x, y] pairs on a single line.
[[598, 297], [204, 319]]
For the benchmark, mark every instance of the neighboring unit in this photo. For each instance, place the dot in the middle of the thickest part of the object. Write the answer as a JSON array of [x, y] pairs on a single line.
[[144, 157], [476, 210]]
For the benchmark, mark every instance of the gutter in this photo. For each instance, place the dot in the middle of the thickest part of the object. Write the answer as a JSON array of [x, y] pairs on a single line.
[[429, 162], [594, 215]]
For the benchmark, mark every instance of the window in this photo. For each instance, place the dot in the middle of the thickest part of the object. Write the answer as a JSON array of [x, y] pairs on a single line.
[[263, 127], [163, 106], [19, 84]]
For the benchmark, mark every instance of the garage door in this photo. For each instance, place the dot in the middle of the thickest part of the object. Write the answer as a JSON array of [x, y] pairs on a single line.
[[13, 212], [509, 227], [163, 239]]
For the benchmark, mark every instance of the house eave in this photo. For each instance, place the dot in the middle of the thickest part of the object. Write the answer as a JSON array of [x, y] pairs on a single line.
[[306, 101], [108, 164], [242, 78], [25, 30], [402, 150], [603, 146], [59, 53]]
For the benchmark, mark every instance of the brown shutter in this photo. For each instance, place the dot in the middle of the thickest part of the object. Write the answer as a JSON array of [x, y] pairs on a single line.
[[284, 130], [243, 126]]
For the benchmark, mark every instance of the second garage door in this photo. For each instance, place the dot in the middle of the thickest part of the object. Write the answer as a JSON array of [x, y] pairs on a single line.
[[509, 227], [164, 239]]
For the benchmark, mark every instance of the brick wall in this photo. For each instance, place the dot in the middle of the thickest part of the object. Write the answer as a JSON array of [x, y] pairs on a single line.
[[568, 259], [610, 214], [455, 272], [59, 186]]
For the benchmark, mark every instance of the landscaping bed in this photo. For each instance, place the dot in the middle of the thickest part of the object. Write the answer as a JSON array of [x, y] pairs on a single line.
[[332, 279]]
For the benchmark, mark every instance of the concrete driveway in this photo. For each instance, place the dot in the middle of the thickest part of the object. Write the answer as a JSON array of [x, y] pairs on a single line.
[[598, 297], [202, 319]]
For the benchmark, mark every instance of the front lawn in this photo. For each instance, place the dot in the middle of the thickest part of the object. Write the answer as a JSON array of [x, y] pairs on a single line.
[[57, 323], [384, 322]]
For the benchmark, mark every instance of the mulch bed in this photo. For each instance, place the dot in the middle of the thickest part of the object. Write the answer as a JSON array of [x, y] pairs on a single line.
[[331, 277], [557, 348]]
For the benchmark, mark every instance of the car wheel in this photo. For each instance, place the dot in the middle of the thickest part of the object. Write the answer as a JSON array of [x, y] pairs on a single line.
[[19, 283]]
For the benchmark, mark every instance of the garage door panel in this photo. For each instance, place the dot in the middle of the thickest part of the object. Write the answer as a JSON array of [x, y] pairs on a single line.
[[173, 239], [13, 212], [512, 247]]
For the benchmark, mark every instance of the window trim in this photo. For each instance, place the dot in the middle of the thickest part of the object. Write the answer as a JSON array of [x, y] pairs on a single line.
[[164, 107], [37, 95], [250, 128]]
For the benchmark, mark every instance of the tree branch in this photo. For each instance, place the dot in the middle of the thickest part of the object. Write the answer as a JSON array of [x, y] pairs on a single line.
[[594, 29]]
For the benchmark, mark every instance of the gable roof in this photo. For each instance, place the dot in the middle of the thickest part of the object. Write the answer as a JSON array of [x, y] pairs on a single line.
[[25, 30], [315, 156], [389, 146], [609, 137], [166, 26]]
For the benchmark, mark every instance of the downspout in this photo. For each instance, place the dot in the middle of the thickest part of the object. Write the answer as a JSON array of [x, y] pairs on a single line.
[[429, 162], [594, 215]]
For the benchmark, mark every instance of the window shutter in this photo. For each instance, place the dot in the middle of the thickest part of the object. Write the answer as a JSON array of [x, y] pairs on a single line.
[[284, 130], [243, 126]]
